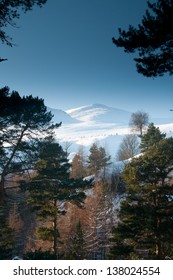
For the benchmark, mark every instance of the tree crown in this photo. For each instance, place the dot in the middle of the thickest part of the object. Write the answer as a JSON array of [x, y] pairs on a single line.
[[151, 137], [153, 40], [9, 12]]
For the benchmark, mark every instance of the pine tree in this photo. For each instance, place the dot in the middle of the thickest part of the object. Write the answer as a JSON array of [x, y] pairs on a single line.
[[51, 187], [151, 137], [152, 39], [98, 159], [6, 235], [10, 12], [76, 250], [93, 160], [24, 121], [146, 214], [104, 160], [53, 162]]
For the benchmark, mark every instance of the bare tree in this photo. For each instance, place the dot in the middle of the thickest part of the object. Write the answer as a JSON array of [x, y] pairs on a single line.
[[66, 148], [139, 121], [129, 147]]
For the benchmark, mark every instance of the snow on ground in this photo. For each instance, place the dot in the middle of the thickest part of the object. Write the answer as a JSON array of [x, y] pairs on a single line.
[[166, 128], [107, 135], [98, 123], [86, 133]]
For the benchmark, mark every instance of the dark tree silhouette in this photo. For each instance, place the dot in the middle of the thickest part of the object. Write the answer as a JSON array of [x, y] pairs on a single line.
[[10, 11], [152, 39], [23, 122], [3, 59], [145, 217]]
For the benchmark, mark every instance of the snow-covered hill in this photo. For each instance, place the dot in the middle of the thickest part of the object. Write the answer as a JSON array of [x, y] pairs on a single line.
[[97, 122], [61, 116], [100, 113]]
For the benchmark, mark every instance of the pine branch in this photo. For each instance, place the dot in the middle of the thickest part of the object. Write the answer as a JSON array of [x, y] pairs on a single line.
[[3, 59]]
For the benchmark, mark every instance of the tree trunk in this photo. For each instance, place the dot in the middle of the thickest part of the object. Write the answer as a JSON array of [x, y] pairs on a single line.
[[55, 233], [159, 253], [55, 237], [5, 169], [2, 191], [158, 247]]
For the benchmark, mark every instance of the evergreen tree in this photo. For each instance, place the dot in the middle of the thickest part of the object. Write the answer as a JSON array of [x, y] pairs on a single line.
[[104, 160], [53, 162], [39, 255], [153, 40], [98, 159], [10, 12], [24, 121], [151, 137], [146, 214], [93, 160], [6, 236], [76, 250], [51, 187]]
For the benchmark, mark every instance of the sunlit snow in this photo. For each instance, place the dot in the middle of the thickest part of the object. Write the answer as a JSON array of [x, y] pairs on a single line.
[[98, 123]]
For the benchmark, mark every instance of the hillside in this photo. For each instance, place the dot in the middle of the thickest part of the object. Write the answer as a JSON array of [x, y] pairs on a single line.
[[100, 113], [97, 122], [61, 116]]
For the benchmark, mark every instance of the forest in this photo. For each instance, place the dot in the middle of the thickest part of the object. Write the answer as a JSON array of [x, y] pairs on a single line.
[[54, 208]]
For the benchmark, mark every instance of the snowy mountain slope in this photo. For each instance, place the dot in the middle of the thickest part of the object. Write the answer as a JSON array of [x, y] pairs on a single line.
[[106, 125], [62, 116], [100, 113]]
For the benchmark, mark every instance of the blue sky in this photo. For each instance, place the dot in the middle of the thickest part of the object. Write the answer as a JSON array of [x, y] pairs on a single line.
[[64, 54]]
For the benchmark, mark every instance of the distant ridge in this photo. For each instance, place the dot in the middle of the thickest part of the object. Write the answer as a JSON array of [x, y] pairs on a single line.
[[100, 113], [61, 116]]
